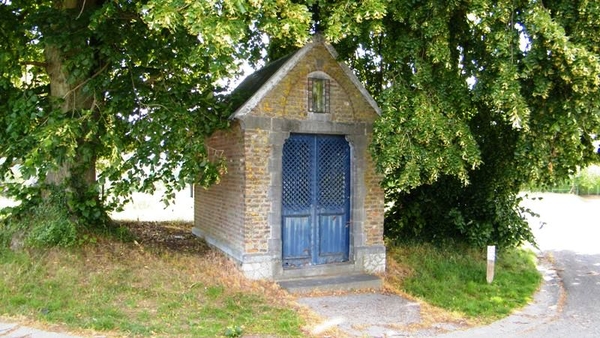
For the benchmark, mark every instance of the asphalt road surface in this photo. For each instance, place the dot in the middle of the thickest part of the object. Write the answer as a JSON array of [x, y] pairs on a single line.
[[580, 316], [568, 233]]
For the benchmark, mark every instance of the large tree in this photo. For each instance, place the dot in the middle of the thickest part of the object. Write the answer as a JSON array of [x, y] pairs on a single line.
[[100, 98], [478, 97]]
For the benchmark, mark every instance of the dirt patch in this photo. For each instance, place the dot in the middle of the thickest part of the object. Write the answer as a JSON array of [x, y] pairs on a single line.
[[166, 236]]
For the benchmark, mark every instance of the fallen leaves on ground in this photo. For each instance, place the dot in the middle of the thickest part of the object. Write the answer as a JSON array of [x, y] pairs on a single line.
[[166, 236]]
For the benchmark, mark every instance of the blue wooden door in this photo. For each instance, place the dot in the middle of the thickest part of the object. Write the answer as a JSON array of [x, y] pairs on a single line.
[[315, 200]]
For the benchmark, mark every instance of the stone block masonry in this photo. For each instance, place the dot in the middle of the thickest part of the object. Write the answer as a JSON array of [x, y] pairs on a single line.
[[242, 214], [257, 150]]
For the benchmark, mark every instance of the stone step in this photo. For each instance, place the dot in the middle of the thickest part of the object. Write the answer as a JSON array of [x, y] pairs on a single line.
[[332, 283]]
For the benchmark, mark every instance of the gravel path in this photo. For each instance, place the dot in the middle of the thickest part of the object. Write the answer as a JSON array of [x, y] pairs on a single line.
[[364, 314]]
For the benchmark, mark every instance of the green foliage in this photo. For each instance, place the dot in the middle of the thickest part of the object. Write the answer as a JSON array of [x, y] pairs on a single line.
[[51, 227], [454, 278], [584, 182], [587, 182], [131, 89], [40, 223], [50, 222], [478, 97], [234, 331], [485, 212]]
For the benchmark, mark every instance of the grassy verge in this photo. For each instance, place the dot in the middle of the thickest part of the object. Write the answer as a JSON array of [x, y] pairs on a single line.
[[161, 284], [455, 279], [166, 282]]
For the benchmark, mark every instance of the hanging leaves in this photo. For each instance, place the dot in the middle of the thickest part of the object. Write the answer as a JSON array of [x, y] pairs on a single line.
[[483, 93]]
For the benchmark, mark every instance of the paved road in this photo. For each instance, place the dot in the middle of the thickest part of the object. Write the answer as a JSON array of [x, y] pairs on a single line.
[[580, 316], [571, 234], [568, 231], [14, 330]]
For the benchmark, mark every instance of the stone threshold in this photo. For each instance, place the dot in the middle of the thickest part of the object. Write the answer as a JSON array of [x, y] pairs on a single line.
[[332, 283]]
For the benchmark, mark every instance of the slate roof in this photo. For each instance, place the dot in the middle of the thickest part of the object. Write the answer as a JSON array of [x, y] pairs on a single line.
[[247, 95], [253, 82]]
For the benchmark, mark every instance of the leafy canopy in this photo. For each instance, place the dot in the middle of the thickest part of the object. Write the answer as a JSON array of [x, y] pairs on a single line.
[[132, 88], [478, 96]]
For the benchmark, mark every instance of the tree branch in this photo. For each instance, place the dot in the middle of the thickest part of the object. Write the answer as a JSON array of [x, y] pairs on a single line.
[[34, 63], [82, 8], [86, 81]]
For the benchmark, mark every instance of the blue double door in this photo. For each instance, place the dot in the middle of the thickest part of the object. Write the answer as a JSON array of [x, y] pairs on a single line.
[[315, 200]]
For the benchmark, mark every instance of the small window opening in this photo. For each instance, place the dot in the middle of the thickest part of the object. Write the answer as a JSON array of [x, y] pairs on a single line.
[[318, 95]]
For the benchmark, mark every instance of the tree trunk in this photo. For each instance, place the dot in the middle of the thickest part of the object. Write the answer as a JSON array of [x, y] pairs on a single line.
[[77, 174], [70, 99]]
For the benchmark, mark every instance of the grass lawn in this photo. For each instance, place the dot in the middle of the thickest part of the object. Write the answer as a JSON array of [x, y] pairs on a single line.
[[166, 282], [454, 279]]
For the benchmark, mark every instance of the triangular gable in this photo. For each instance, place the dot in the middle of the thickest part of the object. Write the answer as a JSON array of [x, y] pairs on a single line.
[[264, 80]]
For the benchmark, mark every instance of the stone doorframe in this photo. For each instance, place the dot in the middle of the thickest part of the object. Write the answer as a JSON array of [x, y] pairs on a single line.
[[269, 265]]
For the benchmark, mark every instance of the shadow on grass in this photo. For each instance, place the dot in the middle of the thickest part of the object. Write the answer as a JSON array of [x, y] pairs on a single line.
[[172, 236]]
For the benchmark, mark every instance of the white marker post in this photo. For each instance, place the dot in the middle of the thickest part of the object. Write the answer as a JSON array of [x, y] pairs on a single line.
[[491, 260]]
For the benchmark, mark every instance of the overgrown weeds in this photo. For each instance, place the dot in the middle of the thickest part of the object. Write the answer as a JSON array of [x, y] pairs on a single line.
[[44, 225]]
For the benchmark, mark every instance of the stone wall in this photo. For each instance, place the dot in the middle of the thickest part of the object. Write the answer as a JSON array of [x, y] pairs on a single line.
[[257, 150], [374, 203], [218, 211]]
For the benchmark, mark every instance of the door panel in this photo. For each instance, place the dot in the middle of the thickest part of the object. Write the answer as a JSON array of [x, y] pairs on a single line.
[[331, 236], [315, 200], [297, 199], [297, 235], [333, 192]]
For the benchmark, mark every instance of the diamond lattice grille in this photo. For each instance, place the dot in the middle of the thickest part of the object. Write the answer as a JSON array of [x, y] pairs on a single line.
[[297, 184], [332, 176]]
